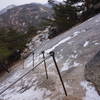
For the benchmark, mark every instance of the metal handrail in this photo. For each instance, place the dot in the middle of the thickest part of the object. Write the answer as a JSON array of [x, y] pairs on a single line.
[[23, 75], [52, 54]]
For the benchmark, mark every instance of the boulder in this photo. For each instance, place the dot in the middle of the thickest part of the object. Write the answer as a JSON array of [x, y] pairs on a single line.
[[92, 71]]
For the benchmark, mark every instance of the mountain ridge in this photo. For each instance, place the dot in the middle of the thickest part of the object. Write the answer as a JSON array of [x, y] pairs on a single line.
[[23, 16], [7, 8]]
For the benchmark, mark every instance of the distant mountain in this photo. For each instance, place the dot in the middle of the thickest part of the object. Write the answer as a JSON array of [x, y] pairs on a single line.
[[21, 17], [48, 5], [56, 2], [7, 8]]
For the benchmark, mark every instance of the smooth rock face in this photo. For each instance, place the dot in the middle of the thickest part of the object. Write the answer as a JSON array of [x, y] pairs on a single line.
[[92, 71]]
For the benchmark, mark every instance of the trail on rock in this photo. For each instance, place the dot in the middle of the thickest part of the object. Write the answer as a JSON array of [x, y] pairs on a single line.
[[73, 49]]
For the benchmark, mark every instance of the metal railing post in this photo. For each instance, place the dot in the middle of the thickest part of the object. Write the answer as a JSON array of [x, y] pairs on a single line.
[[23, 75], [53, 56], [23, 63], [33, 58], [45, 64]]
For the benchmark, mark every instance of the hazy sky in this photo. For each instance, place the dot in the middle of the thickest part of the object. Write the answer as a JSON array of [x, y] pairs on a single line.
[[4, 3]]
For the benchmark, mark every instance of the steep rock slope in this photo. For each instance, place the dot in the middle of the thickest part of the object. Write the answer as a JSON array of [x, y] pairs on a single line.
[[73, 49]]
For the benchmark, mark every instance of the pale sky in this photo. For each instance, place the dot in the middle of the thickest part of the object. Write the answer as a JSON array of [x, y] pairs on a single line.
[[5, 3]]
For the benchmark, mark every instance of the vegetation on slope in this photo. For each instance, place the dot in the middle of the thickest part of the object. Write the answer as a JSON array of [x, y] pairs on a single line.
[[67, 14], [12, 44]]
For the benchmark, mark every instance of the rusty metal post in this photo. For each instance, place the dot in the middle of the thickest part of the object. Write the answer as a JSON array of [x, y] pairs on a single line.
[[23, 63], [53, 56], [33, 58], [45, 64]]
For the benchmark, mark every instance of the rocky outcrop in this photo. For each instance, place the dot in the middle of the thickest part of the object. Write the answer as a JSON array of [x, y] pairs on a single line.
[[92, 71], [24, 16]]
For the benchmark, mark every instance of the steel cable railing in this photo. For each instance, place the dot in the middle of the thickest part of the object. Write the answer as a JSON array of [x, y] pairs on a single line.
[[23, 75], [52, 54]]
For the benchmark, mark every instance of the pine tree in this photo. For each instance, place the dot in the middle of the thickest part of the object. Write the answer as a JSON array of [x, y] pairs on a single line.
[[65, 14], [10, 42]]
